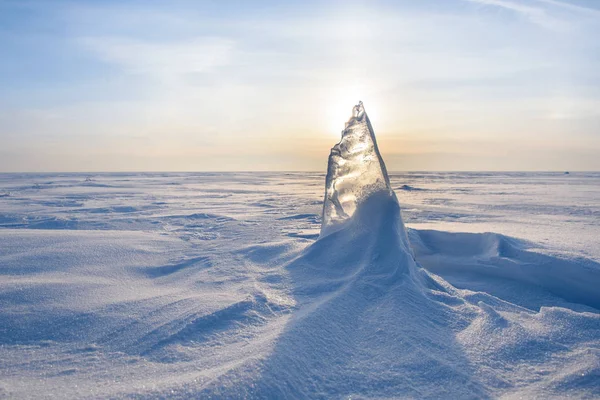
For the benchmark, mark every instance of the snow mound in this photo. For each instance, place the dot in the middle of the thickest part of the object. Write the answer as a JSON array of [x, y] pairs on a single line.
[[360, 210], [370, 321]]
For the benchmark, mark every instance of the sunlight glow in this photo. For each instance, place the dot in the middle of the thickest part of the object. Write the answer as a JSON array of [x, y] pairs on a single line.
[[188, 87], [339, 107]]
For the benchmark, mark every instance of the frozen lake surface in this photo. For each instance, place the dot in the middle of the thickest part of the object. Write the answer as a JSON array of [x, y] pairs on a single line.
[[196, 284]]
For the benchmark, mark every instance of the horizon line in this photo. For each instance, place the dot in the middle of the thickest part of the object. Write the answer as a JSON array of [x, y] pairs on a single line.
[[284, 171]]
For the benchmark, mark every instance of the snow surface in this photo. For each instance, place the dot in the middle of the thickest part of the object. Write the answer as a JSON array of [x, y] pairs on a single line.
[[214, 285]]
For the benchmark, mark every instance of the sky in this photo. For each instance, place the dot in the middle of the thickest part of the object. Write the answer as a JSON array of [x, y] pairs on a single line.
[[267, 85]]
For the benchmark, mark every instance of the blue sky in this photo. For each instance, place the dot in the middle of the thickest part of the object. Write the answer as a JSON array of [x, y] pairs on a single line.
[[239, 85]]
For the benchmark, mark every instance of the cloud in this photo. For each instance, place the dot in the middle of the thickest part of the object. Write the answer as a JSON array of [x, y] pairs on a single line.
[[166, 60], [593, 12], [538, 15]]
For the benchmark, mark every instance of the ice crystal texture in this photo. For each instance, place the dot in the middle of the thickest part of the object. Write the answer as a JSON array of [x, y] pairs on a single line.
[[355, 171]]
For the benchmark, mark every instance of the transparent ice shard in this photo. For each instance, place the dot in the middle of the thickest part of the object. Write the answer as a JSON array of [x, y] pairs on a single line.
[[355, 171]]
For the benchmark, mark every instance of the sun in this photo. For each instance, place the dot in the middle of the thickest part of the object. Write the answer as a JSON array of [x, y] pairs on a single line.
[[340, 103]]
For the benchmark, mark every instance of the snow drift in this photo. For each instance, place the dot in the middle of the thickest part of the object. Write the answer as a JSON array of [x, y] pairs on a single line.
[[371, 322], [360, 209]]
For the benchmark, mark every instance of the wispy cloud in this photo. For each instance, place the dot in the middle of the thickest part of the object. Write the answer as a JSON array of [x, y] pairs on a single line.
[[573, 7], [536, 14], [167, 61]]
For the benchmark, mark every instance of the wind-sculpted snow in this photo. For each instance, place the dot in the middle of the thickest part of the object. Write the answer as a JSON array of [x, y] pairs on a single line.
[[355, 171], [219, 285]]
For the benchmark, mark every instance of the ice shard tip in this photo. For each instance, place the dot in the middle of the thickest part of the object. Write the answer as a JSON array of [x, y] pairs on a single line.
[[355, 171]]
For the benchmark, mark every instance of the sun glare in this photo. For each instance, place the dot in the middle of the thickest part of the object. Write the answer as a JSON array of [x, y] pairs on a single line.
[[339, 107]]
